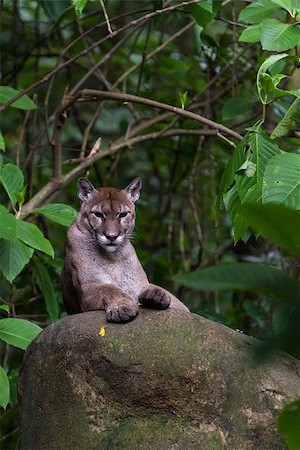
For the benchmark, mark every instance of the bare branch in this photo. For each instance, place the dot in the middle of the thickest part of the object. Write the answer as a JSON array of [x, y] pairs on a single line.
[[92, 95], [140, 21]]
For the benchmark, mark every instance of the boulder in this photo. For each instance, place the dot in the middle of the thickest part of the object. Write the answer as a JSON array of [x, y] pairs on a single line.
[[166, 380]]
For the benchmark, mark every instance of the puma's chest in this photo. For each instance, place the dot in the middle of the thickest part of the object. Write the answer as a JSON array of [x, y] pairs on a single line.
[[128, 274]]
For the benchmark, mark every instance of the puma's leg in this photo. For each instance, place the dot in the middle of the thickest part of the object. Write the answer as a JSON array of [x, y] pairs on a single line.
[[119, 306], [153, 296]]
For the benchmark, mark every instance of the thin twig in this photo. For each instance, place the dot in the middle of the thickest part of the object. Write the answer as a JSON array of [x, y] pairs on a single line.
[[91, 94], [140, 21]]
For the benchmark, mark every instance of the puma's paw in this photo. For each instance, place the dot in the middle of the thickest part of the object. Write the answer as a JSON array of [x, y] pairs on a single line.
[[122, 312], [155, 297]]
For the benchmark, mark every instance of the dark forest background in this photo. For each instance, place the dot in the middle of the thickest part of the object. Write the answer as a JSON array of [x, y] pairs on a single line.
[[199, 99]]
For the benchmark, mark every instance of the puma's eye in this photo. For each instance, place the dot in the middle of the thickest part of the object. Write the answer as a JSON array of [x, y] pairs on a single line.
[[123, 214], [98, 214]]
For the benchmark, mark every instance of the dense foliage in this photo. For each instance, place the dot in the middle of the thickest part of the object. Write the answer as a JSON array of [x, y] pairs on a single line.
[[200, 99]]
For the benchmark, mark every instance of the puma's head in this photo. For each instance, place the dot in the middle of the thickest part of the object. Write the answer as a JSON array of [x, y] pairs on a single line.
[[108, 213]]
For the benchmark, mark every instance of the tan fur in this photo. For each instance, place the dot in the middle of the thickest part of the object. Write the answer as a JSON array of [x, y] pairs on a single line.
[[102, 270]]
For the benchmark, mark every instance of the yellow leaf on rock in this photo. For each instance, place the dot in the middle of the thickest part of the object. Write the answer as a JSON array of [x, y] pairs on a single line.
[[102, 331]]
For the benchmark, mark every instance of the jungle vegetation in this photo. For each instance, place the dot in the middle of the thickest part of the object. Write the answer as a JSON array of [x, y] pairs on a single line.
[[198, 98]]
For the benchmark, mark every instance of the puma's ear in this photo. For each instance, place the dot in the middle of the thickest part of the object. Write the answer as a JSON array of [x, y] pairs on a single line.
[[85, 188], [133, 190]]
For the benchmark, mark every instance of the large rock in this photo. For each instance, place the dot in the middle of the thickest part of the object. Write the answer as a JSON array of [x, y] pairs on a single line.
[[167, 380]]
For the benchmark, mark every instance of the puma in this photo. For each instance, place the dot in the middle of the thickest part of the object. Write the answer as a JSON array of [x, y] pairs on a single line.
[[102, 270]]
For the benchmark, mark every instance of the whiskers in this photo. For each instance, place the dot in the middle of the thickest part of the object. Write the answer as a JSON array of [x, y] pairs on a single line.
[[131, 236]]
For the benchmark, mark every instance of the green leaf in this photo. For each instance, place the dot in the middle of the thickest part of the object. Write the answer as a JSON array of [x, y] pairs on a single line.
[[275, 221], [242, 277], [4, 388], [12, 179], [79, 6], [232, 166], [54, 8], [31, 235], [263, 150], [250, 34], [286, 123], [236, 107], [266, 84], [278, 36], [4, 308], [46, 286], [288, 424], [58, 212], [2, 142], [18, 332], [282, 180], [8, 228], [291, 6], [14, 257], [257, 11], [232, 203], [285, 327], [24, 102]]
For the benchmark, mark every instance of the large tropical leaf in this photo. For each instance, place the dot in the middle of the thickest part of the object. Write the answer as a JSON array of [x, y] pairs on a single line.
[[18, 332], [8, 228], [58, 212], [278, 36], [291, 6], [282, 180], [14, 257], [263, 151], [267, 84], [32, 236], [275, 221], [11, 177], [257, 11], [242, 277], [232, 166], [46, 286]]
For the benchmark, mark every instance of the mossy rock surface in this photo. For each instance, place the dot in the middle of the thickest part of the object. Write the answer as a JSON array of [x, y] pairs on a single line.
[[166, 380]]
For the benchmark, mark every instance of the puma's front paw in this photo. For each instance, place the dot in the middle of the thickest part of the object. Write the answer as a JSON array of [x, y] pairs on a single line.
[[122, 311], [155, 297]]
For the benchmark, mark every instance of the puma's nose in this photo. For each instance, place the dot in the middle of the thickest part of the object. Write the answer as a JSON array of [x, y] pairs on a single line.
[[111, 236]]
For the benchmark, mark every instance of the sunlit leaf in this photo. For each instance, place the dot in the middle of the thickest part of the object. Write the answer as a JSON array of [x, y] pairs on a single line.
[[18, 332], [4, 308]]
